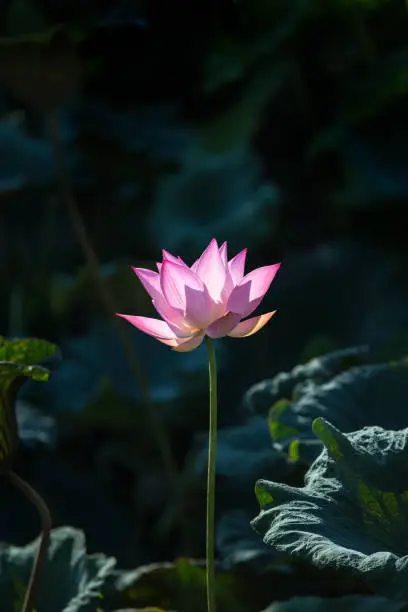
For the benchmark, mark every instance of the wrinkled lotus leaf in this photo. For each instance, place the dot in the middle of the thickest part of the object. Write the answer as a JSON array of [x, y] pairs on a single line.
[[261, 396], [352, 513], [17, 359], [367, 395], [350, 603], [72, 581]]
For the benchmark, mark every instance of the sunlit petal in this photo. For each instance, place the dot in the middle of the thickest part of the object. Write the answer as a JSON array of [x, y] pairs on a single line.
[[168, 256], [152, 327], [237, 266], [199, 307], [195, 265], [248, 294], [185, 292], [224, 325], [250, 326], [190, 345], [151, 282], [223, 253], [211, 271], [173, 280]]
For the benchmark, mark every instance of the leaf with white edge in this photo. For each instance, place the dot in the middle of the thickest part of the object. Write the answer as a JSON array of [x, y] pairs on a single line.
[[352, 513], [350, 603], [80, 578], [351, 400]]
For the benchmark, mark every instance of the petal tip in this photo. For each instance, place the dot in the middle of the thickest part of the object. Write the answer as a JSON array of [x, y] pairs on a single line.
[[251, 326]]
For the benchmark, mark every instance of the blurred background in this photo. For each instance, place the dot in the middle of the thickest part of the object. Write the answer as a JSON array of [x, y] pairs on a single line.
[[128, 126]]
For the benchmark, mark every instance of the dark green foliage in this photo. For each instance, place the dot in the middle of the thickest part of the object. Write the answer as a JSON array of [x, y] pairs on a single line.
[[279, 126]]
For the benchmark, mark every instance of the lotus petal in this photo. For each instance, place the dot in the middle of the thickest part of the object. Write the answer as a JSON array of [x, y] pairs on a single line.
[[189, 345], [212, 272], [250, 326], [153, 327], [224, 325], [237, 266], [248, 294]]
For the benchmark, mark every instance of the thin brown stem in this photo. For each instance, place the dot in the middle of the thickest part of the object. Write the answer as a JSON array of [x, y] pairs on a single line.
[[156, 425], [46, 524]]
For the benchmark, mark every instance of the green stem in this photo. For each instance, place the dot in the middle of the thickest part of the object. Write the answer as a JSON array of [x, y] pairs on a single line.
[[212, 455], [46, 525]]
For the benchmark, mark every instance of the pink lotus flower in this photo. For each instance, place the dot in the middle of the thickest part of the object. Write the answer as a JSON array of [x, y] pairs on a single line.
[[210, 298]]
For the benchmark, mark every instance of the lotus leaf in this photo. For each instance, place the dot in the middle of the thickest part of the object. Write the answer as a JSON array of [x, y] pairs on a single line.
[[72, 581], [352, 513], [351, 400], [261, 396]]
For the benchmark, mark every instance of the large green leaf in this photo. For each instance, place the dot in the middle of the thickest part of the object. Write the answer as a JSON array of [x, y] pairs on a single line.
[[350, 603], [261, 396], [18, 361], [72, 581], [372, 394], [352, 513]]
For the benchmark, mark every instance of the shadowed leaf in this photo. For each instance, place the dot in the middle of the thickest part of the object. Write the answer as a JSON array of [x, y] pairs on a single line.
[[80, 578]]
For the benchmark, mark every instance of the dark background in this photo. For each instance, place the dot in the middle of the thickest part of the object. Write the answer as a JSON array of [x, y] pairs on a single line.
[[278, 126]]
